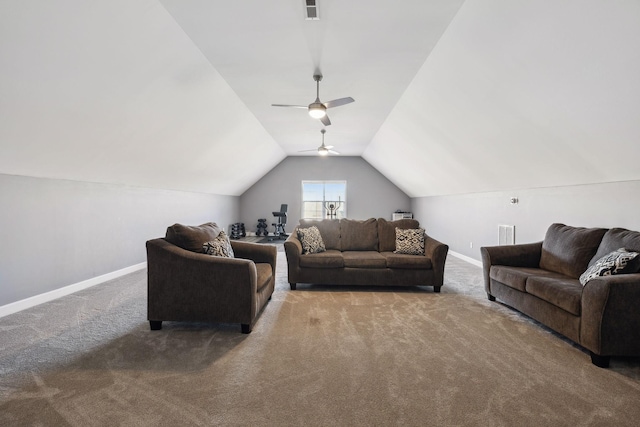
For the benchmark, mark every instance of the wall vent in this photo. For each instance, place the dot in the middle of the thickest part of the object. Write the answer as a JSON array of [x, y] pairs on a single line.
[[311, 10], [506, 235]]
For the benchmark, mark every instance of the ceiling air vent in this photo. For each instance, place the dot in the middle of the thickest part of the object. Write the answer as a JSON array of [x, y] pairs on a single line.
[[311, 10]]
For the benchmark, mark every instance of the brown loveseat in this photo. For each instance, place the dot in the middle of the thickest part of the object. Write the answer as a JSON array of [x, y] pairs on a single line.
[[185, 284], [362, 253], [541, 280]]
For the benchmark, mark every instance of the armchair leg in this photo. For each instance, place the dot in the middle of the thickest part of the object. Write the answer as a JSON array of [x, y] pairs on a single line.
[[156, 325], [491, 297], [600, 361], [246, 328], [293, 286], [436, 289]]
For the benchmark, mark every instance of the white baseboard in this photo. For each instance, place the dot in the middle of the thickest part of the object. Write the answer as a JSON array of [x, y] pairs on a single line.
[[17, 306], [466, 258]]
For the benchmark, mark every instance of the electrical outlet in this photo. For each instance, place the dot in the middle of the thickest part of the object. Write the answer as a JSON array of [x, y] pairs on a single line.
[[471, 245]]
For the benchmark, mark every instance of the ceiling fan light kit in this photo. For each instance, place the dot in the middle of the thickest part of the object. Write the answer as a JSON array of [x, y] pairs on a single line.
[[317, 110]]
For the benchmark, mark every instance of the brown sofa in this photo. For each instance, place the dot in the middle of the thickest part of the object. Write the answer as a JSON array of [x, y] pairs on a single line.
[[541, 280], [360, 252], [185, 284]]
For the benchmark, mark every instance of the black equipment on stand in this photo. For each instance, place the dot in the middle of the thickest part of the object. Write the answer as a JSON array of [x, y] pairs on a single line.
[[238, 230], [282, 221], [332, 208], [262, 227]]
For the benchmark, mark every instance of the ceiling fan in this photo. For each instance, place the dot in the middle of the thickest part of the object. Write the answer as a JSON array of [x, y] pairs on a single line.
[[318, 109], [323, 150]]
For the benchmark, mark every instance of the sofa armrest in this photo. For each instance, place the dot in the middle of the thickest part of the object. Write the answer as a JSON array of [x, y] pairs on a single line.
[[184, 285], [293, 246], [523, 255], [293, 251], [610, 324], [256, 252], [437, 252]]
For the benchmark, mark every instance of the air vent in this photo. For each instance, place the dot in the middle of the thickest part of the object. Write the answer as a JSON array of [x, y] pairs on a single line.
[[506, 235], [311, 10]]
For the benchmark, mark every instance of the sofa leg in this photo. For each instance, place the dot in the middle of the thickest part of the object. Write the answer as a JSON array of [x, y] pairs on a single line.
[[600, 361], [293, 286], [491, 297], [246, 328], [436, 289], [156, 325]]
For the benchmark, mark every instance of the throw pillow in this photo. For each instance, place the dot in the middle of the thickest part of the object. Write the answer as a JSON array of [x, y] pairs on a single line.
[[311, 240], [617, 262], [410, 241], [220, 246]]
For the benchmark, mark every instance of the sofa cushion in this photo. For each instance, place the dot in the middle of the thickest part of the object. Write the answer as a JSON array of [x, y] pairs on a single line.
[[407, 261], [364, 259], [516, 277], [615, 239], [567, 250], [410, 242], [359, 235], [558, 290], [616, 262], [220, 246], [330, 258], [192, 238], [311, 240], [329, 230], [387, 232]]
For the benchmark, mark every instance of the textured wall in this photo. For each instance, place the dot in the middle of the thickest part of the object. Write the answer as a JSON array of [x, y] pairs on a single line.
[[369, 193], [56, 233], [461, 219]]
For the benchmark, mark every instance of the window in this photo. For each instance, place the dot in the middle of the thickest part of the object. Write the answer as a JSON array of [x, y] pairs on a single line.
[[318, 196]]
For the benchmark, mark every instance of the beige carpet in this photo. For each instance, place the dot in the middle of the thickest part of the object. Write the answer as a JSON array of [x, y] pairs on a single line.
[[318, 356]]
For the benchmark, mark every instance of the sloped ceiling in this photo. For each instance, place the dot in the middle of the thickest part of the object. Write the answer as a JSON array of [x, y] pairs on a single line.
[[114, 91], [520, 95], [451, 96]]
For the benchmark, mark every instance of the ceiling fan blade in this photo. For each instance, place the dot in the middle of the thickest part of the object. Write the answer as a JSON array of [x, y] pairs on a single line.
[[328, 147], [307, 151], [325, 120], [334, 152], [292, 106], [339, 102]]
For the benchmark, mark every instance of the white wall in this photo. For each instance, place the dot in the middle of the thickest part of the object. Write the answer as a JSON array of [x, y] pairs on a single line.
[[56, 233], [459, 220], [369, 193]]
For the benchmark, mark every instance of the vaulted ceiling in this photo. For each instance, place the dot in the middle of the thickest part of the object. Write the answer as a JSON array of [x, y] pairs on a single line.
[[452, 96]]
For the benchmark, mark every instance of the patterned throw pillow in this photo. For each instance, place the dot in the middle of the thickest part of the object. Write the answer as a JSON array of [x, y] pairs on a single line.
[[311, 240], [617, 262], [220, 246], [410, 241]]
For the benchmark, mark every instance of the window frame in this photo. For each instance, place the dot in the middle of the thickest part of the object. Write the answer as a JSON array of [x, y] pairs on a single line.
[[343, 209]]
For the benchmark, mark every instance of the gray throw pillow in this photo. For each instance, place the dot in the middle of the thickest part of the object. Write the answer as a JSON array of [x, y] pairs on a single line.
[[410, 241], [311, 240], [616, 262], [220, 246]]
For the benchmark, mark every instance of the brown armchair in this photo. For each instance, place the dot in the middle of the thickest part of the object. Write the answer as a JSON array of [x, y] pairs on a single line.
[[184, 285]]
